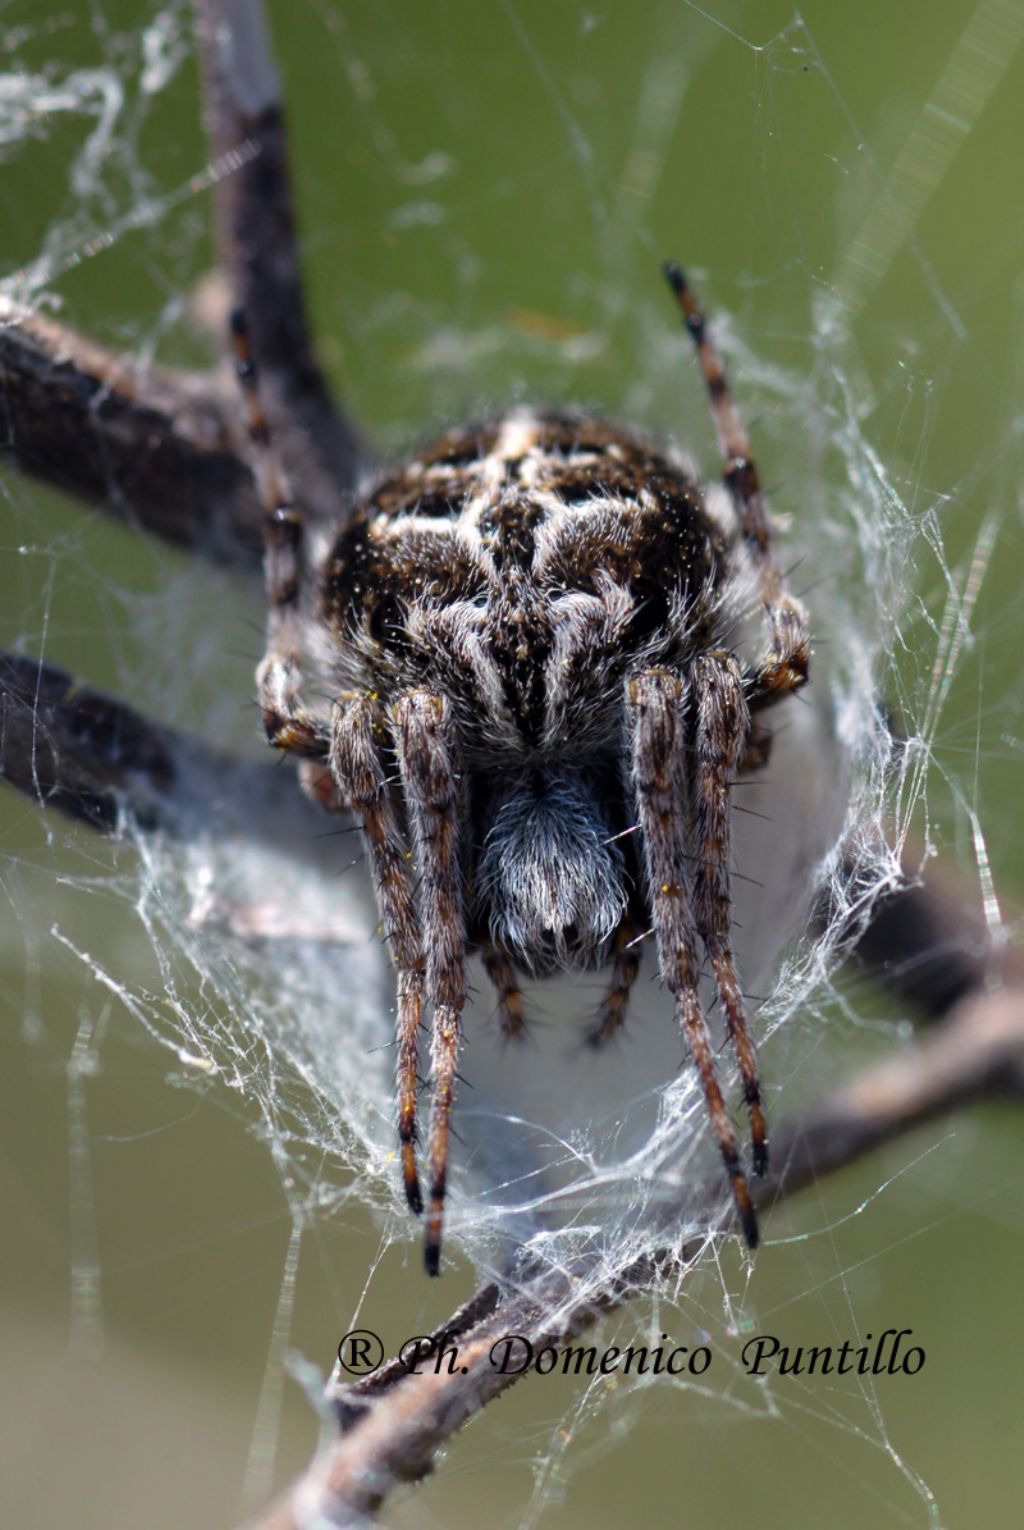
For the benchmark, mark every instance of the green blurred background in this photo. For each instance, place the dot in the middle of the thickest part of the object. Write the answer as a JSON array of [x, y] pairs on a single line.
[[485, 193]]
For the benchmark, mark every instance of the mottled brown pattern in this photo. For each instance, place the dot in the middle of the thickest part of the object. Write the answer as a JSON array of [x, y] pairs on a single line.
[[505, 539]]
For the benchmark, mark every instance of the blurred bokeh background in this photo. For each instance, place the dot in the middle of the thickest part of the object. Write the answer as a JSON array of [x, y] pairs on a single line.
[[486, 192]]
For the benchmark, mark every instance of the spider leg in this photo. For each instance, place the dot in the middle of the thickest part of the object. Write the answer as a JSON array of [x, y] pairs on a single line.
[[785, 664], [511, 1007], [655, 703], [423, 731], [287, 722], [348, 742], [358, 768], [721, 722], [625, 967], [757, 750]]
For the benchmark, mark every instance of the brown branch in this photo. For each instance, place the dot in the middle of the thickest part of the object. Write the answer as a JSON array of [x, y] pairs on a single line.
[[95, 759], [153, 448], [975, 1054], [393, 1424], [258, 248]]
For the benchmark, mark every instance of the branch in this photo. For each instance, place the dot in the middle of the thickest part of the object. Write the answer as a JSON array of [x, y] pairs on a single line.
[[150, 447], [258, 247], [928, 944], [975, 1054], [98, 761], [393, 1423]]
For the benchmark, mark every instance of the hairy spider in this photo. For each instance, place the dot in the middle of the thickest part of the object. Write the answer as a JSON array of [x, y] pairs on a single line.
[[535, 633], [537, 618]]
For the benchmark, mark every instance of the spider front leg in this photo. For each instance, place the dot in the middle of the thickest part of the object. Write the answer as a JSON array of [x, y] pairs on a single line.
[[422, 722], [785, 664], [721, 727], [358, 768], [348, 743], [656, 709]]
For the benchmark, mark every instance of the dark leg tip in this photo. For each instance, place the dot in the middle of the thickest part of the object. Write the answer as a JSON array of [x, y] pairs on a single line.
[[432, 1242], [745, 1211], [411, 1179], [674, 276]]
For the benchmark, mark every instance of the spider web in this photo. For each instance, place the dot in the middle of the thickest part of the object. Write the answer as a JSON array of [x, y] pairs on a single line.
[[485, 201]]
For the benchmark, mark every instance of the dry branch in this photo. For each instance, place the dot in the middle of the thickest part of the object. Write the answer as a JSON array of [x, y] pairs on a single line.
[[153, 448], [97, 760]]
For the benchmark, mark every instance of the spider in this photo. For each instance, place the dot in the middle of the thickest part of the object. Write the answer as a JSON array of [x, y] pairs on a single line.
[[535, 634], [535, 619]]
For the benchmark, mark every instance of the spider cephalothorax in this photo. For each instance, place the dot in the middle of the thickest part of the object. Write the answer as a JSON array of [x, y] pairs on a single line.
[[538, 620]]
